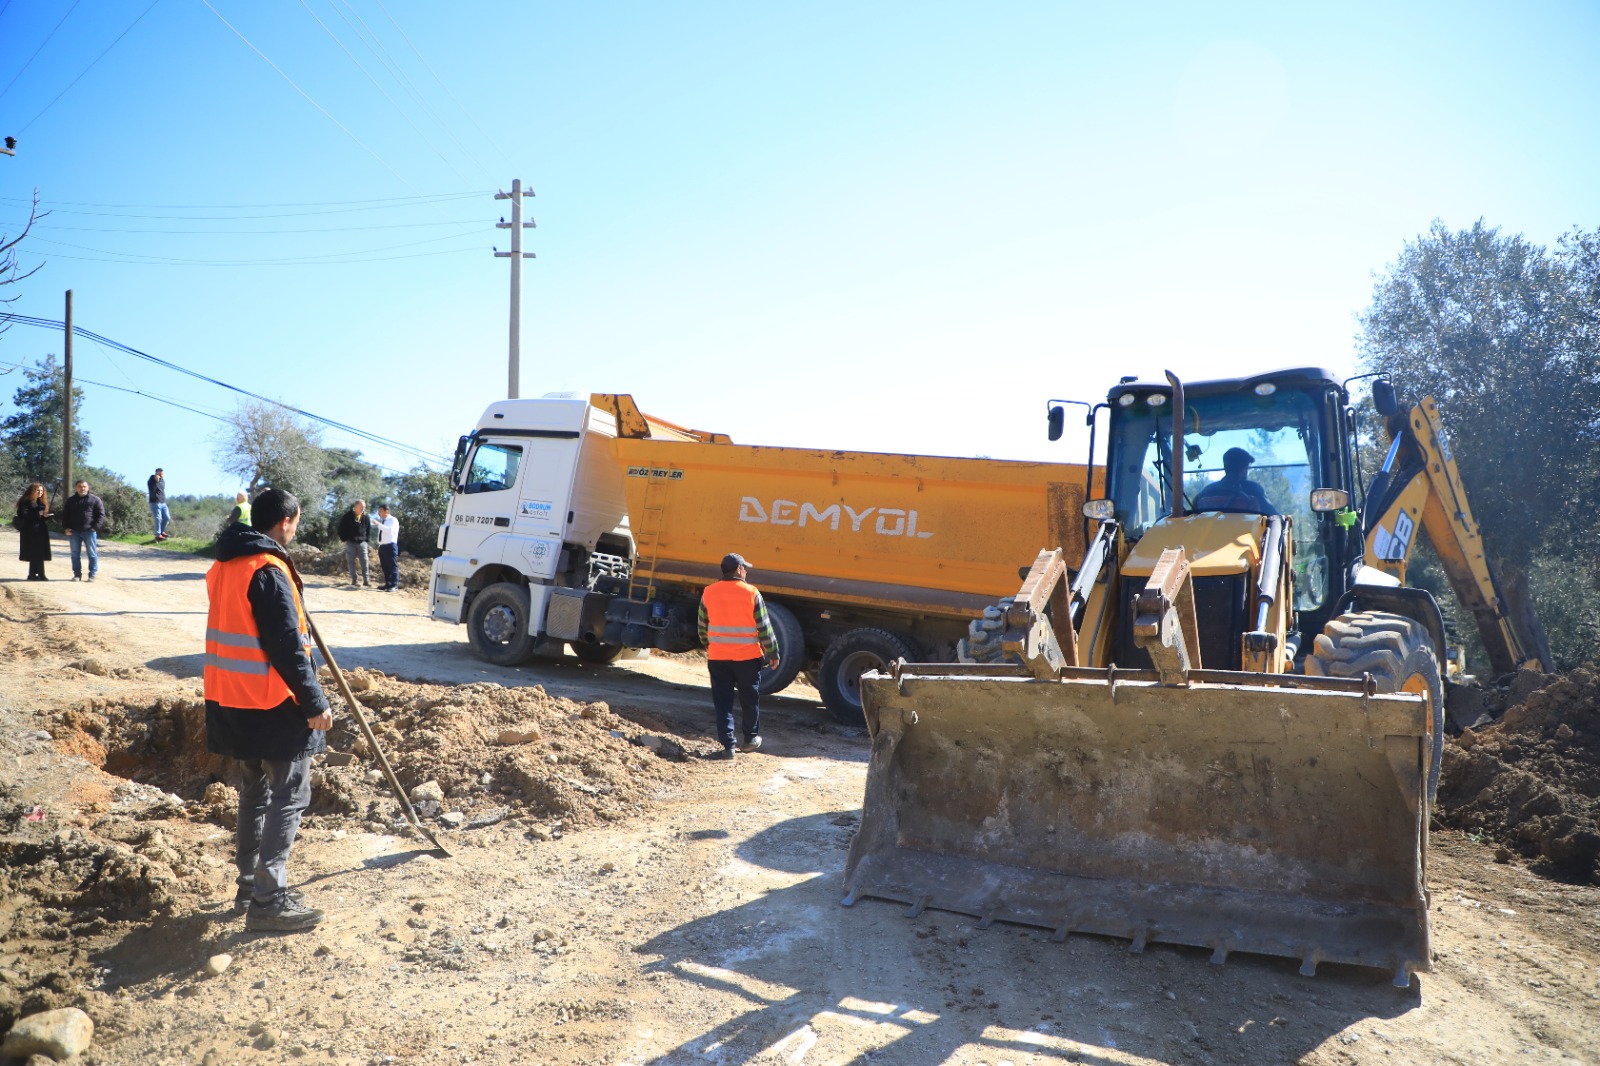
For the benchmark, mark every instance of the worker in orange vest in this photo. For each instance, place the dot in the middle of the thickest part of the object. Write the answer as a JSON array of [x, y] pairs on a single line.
[[739, 640], [264, 705]]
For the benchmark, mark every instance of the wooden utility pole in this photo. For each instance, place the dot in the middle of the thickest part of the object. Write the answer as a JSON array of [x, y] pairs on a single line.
[[516, 255], [66, 422]]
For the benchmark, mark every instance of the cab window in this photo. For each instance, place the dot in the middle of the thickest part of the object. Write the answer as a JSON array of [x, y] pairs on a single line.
[[493, 468]]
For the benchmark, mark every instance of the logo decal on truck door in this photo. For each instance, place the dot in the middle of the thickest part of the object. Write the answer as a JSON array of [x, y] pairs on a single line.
[[890, 521], [538, 510]]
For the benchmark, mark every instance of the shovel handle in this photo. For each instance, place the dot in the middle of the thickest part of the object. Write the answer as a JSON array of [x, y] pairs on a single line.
[[372, 739]]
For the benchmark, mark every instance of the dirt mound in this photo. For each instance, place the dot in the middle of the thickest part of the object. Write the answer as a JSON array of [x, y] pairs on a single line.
[[1531, 781], [414, 573]]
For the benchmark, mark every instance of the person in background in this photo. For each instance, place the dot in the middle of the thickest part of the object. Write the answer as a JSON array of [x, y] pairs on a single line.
[[158, 503], [355, 529], [389, 548], [33, 522], [264, 705], [739, 639], [241, 510], [84, 516]]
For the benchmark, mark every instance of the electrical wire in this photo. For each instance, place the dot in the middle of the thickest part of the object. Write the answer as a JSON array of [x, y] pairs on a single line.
[[86, 334], [247, 263], [91, 65], [139, 257], [392, 102], [366, 203], [384, 56], [307, 95], [440, 82], [255, 232], [36, 51]]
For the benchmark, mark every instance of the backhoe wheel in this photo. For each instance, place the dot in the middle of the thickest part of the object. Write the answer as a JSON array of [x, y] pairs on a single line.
[[497, 624], [850, 656], [791, 650], [1396, 651], [598, 654]]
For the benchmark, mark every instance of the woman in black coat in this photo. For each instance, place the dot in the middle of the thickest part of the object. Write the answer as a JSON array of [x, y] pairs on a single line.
[[33, 522]]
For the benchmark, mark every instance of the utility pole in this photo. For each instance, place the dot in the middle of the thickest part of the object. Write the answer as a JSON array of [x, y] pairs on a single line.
[[66, 423], [516, 255]]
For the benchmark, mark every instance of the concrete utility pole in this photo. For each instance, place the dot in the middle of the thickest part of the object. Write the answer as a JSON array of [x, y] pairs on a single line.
[[66, 424], [516, 255]]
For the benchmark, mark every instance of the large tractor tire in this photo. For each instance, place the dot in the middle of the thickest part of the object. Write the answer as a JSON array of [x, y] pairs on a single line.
[[1396, 651], [497, 625], [791, 650], [847, 658]]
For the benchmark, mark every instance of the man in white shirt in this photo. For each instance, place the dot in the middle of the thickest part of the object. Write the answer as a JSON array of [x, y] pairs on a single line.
[[389, 548]]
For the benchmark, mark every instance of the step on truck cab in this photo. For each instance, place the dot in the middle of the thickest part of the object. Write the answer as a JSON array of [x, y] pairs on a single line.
[[582, 522]]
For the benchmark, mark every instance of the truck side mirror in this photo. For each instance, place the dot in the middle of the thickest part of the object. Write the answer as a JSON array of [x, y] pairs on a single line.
[[1057, 420], [1384, 399]]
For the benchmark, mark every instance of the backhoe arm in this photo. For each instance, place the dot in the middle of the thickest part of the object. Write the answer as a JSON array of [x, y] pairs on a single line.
[[1420, 486]]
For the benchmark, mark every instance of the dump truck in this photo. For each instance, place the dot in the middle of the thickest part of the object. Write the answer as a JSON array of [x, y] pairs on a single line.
[[1221, 726], [582, 522]]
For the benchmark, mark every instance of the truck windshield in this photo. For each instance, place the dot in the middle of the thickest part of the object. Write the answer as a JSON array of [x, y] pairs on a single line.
[[494, 467], [1281, 435]]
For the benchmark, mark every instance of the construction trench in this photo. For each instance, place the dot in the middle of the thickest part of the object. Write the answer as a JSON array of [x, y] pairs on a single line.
[[609, 883]]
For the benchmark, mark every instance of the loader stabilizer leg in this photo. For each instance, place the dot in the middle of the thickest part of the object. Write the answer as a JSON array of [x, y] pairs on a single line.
[[1031, 637], [1164, 622]]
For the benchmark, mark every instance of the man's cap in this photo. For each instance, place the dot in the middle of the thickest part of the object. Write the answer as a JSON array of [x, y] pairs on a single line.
[[1236, 457], [732, 561]]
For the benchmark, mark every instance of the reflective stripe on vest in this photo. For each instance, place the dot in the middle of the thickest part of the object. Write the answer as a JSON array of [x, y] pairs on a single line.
[[237, 673], [731, 631]]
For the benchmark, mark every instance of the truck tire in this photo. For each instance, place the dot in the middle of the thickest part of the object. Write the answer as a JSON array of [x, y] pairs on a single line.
[[497, 625], [598, 654], [846, 659], [791, 650], [1396, 651]]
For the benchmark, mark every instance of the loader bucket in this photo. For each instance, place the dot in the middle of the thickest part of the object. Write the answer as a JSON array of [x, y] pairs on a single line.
[[1281, 815]]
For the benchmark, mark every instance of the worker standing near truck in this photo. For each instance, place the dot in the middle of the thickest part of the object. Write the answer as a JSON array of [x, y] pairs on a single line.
[[739, 640]]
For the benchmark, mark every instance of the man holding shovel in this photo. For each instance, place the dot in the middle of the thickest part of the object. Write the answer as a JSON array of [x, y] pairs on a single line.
[[264, 705]]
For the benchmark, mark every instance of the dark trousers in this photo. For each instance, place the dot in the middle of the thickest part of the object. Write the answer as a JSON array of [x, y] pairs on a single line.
[[389, 558], [736, 675], [272, 797]]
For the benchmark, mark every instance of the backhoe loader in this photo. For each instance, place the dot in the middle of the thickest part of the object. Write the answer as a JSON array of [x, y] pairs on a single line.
[[1145, 744]]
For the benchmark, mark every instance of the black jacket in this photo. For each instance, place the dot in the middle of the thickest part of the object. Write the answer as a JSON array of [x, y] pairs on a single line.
[[279, 734], [83, 514], [353, 528], [158, 489]]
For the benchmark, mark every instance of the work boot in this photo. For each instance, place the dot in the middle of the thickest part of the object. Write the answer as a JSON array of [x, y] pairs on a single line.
[[751, 743], [726, 753], [247, 892], [284, 914]]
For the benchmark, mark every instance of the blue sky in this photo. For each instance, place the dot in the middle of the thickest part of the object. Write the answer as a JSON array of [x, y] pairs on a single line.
[[895, 227]]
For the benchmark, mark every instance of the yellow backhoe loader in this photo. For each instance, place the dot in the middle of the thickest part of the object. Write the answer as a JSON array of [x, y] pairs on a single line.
[[1144, 744]]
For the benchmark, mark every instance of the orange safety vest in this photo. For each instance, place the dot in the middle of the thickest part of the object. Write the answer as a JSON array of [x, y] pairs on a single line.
[[237, 673], [731, 621]]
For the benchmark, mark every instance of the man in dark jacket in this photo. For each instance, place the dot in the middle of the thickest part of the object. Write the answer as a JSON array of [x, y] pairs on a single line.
[[355, 529], [157, 486], [264, 706], [84, 517]]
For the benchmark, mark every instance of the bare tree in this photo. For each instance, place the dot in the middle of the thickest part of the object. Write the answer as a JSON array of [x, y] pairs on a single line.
[[9, 265], [265, 445]]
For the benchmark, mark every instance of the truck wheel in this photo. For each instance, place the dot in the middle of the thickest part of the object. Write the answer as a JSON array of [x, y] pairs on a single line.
[[1397, 653], [497, 625], [598, 654], [847, 659], [791, 650]]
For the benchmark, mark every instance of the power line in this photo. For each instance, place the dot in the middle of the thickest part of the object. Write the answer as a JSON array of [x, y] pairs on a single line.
[[380, 88], [247, 263], [91, 65], [307, 95], [367, 203], [46, 323], [36, 51], [254, 232], [140, 256]]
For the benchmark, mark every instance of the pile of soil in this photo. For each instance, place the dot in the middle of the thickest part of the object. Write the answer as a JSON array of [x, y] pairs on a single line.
[[1531, 781], [414, 573]]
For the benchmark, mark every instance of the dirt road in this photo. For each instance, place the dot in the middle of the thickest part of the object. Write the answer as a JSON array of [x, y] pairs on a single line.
[[698, 922]]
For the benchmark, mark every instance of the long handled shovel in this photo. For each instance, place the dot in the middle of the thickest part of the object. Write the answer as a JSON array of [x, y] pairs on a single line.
[[372, 741]]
